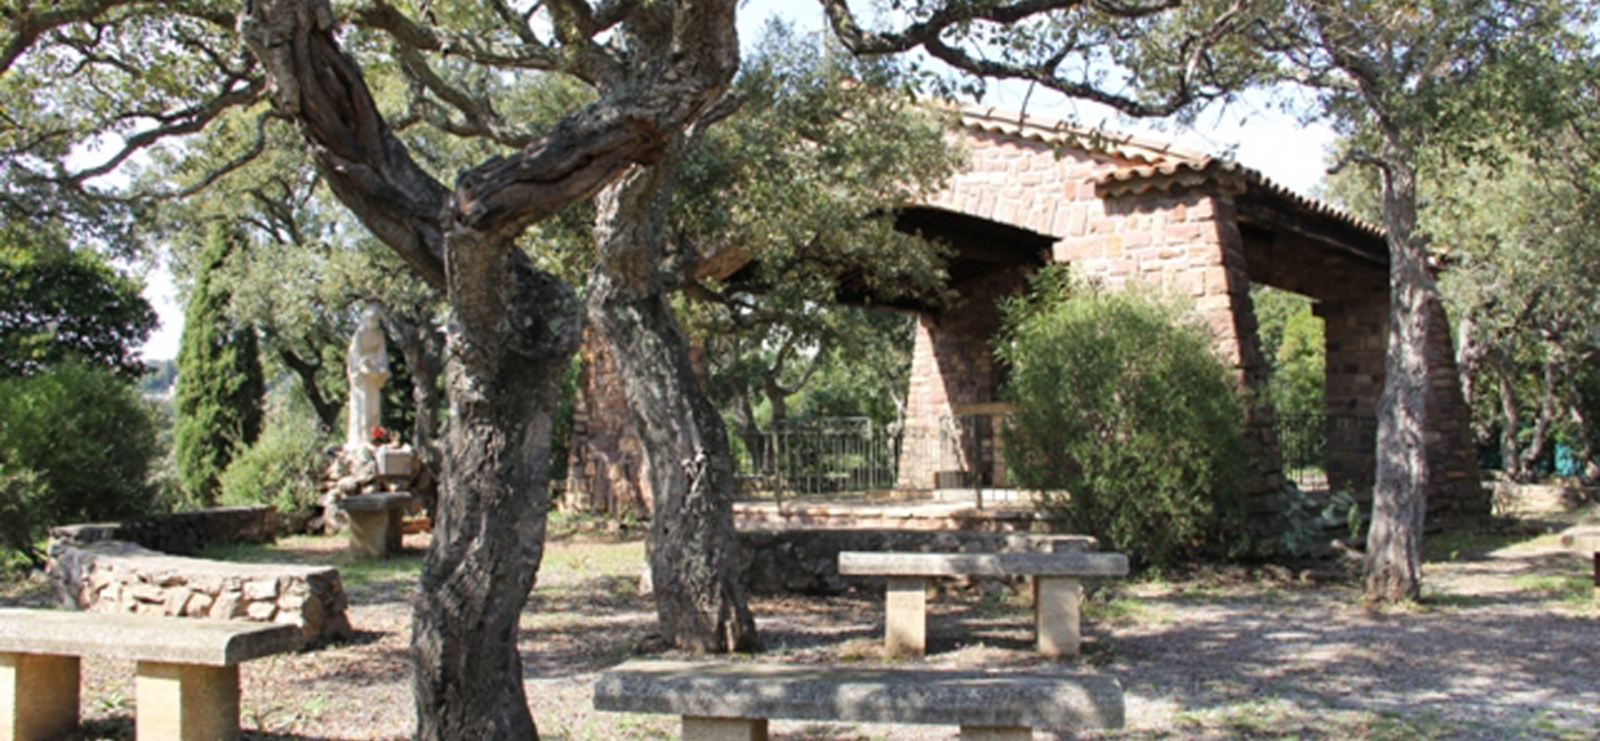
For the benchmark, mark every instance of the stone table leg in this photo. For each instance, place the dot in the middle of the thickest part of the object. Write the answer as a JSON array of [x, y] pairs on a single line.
[[369, 533], [993, 733], [1056, 605], [906, 616], [724, 729], [186, 702], [38, 696]]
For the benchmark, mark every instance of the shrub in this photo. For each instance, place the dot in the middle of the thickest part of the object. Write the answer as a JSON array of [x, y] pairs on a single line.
[[281, 468], [1127, 423], [76, 445]]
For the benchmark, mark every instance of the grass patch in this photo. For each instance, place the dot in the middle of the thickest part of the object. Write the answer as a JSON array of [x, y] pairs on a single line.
[[1114, 609], [1454, 546], [1278, 717], [1555, 587]]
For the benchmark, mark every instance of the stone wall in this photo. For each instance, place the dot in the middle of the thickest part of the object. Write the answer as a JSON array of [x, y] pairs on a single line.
[[184, 533], [803, 515], [807, 561], [117, 577]]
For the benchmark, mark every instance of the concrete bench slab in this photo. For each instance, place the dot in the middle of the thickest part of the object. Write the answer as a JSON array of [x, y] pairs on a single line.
[[187, 670], [735, 700], [1073, 564], [1057, 594]]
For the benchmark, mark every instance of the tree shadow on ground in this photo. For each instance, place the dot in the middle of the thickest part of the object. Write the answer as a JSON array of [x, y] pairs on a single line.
[[121, 727], [1510, 666]]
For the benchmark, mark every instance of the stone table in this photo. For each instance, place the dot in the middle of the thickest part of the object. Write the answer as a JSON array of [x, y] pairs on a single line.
[[1056, 592]]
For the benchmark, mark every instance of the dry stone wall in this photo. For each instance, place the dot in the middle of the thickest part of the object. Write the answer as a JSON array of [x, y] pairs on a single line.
[[185, 533], [119, 577]]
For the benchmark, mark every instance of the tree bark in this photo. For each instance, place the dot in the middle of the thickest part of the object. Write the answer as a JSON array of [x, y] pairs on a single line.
[[1399, 496], [1511, 421], [504, 383], [694, 563]]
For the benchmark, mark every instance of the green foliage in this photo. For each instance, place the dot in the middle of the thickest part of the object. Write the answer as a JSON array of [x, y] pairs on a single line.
[[218, 400], [57, 303], [76, 445], [804, 182], [566, 409], [1310, 518], [282, 468], [1127, 422], [1292, 343]]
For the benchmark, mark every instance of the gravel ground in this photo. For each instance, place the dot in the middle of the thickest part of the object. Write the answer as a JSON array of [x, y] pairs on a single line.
[[1504, 645]]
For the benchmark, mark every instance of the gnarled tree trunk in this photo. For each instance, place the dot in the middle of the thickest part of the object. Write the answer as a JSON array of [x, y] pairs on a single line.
[[515, 330], [694, 562], [504, 383], [1399, 495]]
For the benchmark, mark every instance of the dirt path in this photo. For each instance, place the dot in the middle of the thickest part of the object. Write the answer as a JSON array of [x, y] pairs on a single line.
[[1505, 645]]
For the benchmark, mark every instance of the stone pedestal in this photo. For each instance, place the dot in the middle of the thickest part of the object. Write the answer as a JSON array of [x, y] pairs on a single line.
[[187, 702], [375, 522], [1057, 615], [906, 617], [38, 696], [724, 729]]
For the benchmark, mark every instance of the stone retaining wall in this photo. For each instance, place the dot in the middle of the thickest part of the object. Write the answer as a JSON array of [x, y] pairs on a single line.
[[185, 533], [117, 577], [807, 561]]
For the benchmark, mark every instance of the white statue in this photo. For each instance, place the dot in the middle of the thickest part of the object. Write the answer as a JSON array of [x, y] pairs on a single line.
[[368, 367]]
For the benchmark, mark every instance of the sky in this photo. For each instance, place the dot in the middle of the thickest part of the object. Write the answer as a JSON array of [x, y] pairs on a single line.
[[1250, 131]]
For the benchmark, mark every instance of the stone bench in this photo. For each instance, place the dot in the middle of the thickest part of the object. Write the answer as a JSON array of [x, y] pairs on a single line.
[[375, 521], [724, 702], [186, 682], [1057, 594], [1585, 541]]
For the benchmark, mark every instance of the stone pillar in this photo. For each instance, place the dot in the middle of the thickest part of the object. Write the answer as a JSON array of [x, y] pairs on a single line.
[[1456, 489], [1057, 615], [186, 702], [724, 729], [606, 467], [1355, 328], [38, 696], [905, 616], [952, 370]]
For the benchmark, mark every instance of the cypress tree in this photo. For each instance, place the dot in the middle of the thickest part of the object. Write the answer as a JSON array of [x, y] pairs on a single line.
[[220, 385]]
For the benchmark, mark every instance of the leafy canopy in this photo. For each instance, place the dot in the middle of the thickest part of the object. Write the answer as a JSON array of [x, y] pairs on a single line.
[[57, 304]]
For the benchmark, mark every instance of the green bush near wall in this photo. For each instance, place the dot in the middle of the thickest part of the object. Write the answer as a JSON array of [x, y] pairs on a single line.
[[1127, 421]]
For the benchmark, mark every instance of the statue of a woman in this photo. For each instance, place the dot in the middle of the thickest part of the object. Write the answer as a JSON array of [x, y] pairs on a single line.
[[368, 367]]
